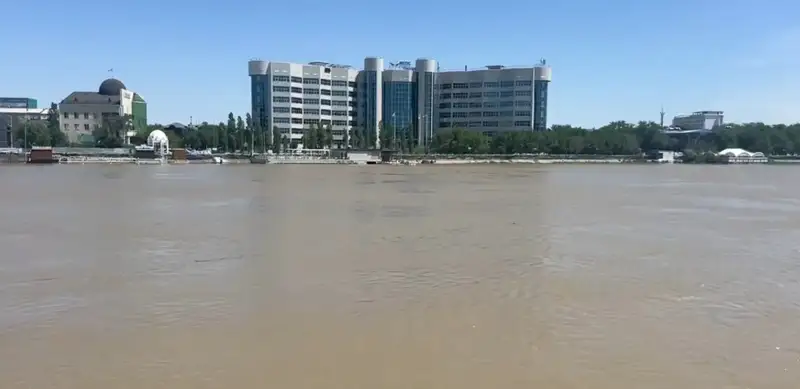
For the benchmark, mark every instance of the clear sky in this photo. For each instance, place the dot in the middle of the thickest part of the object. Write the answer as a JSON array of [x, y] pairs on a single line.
[[611, 59]]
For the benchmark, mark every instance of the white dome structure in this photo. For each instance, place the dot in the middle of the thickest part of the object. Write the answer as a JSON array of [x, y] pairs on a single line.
[[159, 142], [157, 137]]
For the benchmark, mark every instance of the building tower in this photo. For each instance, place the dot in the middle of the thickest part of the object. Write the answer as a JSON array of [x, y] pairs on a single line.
[[541, 80], [370, 82], [260, 94], [662, 117], [425, 80]]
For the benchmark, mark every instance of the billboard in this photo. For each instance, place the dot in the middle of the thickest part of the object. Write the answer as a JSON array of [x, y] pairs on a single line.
[[17, 102]]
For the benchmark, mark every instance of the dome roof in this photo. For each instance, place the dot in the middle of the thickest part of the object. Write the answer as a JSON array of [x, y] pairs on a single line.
[[111, 87], [157, 137]]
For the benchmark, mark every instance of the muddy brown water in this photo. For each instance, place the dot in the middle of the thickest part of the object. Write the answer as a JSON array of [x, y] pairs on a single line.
[[399, 277]]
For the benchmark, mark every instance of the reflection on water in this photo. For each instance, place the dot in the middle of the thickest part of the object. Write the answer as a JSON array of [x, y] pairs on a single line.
[[396, 277]]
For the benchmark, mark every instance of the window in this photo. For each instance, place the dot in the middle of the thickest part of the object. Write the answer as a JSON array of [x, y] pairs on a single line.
[[506, 104], [297, 100], [284, 89], [324, 102], [459, 114], [66, 126], [340, 93], [506, 93], [76, 126], [297, 80], [280, 109], [311, 101], [280, 78], [490, 94], [280, 99], [475, 114], [522, 113], [339, 113], [339, 103], [490, 104], [506, 84], [297, 121], [491, 84], [297, 110], [326, 92], [522, 123], [326, 112], [460, 105], [338, 83], [446, 86], [444, 96], [311, 81], [522, 93], [351, 84], [85, 115], [490, 114], [311, 91], [460, 95], [86, 127], [522, 103], [444, 105], [490, 124], [281, 120], [506, 113], [75, 115], [475, 95], [476, 84], [444, 115], [324, 81], [475, 105], [460, 85], [309, 111], [523, 83]]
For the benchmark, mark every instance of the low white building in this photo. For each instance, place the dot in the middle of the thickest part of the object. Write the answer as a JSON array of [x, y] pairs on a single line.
[[736, 155]]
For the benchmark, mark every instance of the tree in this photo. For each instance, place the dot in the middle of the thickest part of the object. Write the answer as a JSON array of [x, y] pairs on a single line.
[[31, 133], [276, 139], [240, 129], [230, 135], [346, 139], [57, 137]]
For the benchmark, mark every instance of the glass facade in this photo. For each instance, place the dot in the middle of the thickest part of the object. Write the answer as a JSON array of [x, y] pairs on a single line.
[[540, 105], [369, 106], [260, 95], [398, 105]]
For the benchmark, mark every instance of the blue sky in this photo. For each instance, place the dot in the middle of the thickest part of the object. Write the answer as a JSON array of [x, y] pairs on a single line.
[[612, 59]]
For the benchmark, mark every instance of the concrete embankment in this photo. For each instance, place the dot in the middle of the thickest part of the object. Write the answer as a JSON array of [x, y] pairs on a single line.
[[527, 161]]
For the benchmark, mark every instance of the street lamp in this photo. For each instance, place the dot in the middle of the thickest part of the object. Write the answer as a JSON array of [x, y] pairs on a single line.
[[394, 129]]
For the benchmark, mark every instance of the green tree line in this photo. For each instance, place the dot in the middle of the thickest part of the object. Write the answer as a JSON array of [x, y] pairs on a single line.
[[243, 135]]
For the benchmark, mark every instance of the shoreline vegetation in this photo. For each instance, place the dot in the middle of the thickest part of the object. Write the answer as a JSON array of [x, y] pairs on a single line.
[[616, 142]]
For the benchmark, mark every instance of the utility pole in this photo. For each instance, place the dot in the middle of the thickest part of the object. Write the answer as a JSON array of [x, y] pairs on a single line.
[[662, 117]]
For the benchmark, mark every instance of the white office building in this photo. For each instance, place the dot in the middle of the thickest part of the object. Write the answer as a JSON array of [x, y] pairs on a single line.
[[700, 120], [293, 97], [413, 100]]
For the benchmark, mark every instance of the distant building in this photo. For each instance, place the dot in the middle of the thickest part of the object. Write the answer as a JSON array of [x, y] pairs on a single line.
[[83, 112], [700, 120], [18, 102], [11, 118]]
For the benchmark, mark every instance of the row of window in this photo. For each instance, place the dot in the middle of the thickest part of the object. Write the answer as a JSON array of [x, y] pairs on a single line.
[[478, 95], [482, 124], [313, 81], [445, 115], [486, 104], [77, 127], [313, 111], [297, 100], [487, 84], [312, 91], [312, 121]]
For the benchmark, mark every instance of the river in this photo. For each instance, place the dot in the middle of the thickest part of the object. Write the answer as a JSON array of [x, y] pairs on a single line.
[[399, 277]]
